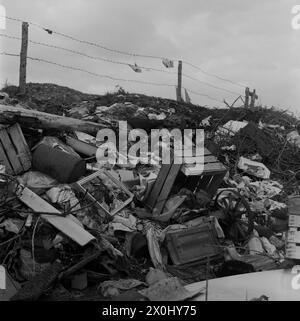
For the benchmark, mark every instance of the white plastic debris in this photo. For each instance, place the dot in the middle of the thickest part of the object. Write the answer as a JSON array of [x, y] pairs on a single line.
[[229, 148], [168, 63], [64, 196], [2, 169], [38, 182], [262, 125], [269, 248], [101, 109], [13, 225], [231, 127], [206, 121], [266, 188], [255, 244], [254, 168], [120, 223], [135, 68], [294, 138], [86, 137], [153, 234], [161, 116]]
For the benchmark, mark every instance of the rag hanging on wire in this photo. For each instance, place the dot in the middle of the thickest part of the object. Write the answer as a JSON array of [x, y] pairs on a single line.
[[168, 63], [135, 68]]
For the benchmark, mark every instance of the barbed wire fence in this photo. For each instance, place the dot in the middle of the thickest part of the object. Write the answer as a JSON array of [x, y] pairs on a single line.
[[247, 97]]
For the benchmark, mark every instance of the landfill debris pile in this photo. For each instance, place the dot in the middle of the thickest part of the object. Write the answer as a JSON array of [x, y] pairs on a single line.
[[75, 228]]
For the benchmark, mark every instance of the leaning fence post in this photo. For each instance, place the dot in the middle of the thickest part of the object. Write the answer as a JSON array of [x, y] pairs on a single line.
[[253, 98]]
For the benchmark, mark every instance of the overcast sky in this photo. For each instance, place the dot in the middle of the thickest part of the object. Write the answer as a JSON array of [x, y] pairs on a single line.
[[249, 42]]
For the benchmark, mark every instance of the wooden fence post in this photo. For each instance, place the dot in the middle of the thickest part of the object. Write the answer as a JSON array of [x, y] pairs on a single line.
[[253, 98], [247, 91], [23, 58], [179, 81]]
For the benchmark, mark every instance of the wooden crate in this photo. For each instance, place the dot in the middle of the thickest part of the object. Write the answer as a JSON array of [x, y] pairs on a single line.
[[293, 235], [207, 178], [14, 151], [193, 244], [292, 247], [113, 182], [294, 221], [163, 184], [292, 251]]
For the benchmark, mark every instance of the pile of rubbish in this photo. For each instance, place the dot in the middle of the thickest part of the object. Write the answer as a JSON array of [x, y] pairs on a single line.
[[73, 227]]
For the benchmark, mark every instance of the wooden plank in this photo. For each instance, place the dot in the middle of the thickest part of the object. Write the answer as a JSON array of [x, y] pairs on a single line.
[[208, 169], [214, 167], [167, 186], [293, 235], [157, 187], [200, 159], [69, 224], [292, 250], [37, 119], [10, 152], [4, 160], [197, 169], [20, 143], [294, 220]]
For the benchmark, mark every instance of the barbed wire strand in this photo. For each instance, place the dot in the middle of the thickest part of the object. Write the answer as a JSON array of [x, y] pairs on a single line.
[[107, 76], [118, 62], [124, 52], [86, 55], [213, 75], [210, 85]]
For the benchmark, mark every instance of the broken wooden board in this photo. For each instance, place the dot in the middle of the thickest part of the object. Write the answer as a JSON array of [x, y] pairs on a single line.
[[79, 265], [37, 119], [69, 224], [14, 151], [203, 165], [163, 185]]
